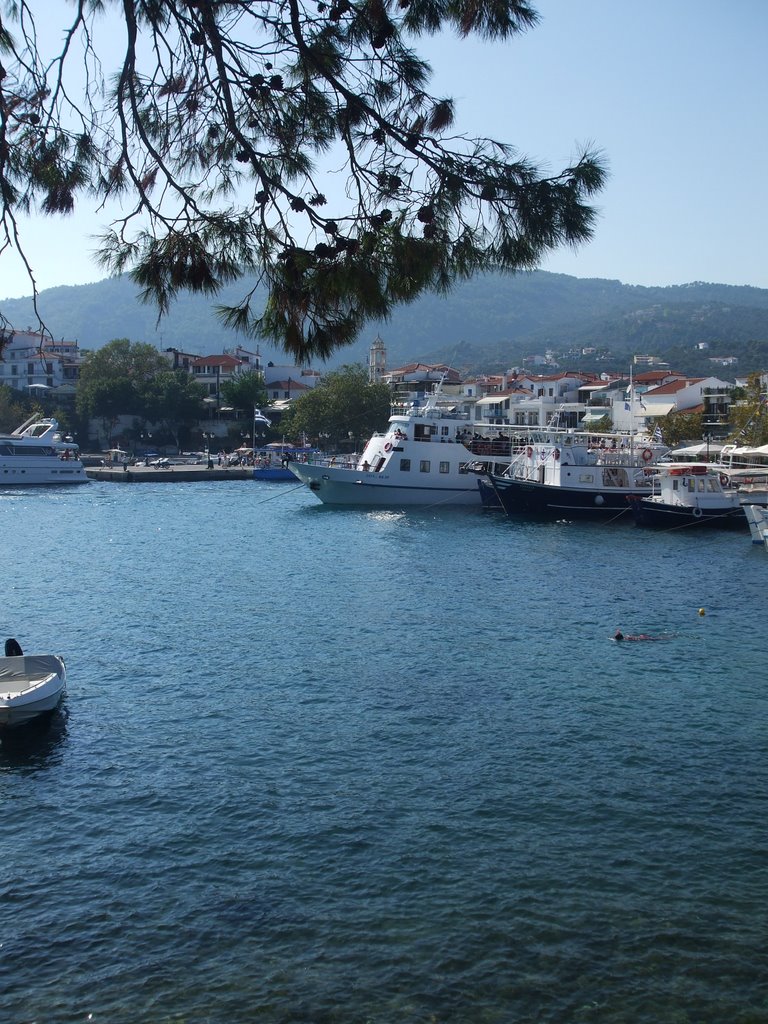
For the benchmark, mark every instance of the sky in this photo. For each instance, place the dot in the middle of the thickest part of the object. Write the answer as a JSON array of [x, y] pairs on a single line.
[[673, 92]]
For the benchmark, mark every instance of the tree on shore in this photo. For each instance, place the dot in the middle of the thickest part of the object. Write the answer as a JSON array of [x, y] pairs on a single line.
[[749, 414], [245, 392], [344, 403], [216, 124]]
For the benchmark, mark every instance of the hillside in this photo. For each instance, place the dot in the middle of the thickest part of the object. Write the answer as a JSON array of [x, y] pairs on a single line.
[[487, 324]]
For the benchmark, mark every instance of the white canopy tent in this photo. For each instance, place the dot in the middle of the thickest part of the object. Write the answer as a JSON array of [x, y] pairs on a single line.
[[697, 449]]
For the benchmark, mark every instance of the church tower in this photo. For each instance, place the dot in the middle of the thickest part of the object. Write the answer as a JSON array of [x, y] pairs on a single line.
[[377, 361]]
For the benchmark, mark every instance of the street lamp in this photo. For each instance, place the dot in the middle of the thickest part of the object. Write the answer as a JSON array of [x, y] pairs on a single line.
[[207, 438], [145, 437], [707, 438]]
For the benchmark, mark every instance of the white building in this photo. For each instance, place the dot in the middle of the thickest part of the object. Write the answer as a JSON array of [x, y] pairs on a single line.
[[33, 362]]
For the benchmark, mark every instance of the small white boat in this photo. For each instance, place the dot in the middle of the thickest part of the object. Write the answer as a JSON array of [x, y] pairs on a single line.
[[690, 495], [757, 517], [31, 685]]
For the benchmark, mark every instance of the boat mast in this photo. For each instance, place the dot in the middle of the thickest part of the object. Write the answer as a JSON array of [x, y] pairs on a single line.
[[631, 411]]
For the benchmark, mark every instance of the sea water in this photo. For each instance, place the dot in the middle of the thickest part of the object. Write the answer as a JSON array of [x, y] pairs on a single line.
[[350, 766]]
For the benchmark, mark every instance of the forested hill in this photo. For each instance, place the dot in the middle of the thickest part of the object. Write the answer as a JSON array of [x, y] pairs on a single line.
[[486, 324]]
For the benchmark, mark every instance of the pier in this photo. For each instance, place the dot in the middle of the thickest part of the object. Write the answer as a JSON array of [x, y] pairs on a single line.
[[117, 474]]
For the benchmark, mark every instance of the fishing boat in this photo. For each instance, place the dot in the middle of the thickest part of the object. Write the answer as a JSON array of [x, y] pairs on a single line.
[[31, 685], [429, 455], [36, 453], [757, 519], [692, 495], [565, 474]]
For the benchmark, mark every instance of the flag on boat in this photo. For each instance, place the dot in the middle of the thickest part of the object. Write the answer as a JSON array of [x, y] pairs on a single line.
[[657, 435]]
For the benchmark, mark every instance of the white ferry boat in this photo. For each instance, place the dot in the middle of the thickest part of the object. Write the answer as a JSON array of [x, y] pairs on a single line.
[[429, 455], [36, 453]]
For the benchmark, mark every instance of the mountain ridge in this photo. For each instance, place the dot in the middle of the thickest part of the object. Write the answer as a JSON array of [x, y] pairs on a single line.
[[492, 321]]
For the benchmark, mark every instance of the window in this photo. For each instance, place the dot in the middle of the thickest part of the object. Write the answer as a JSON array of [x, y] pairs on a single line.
[[424, 466], [445, 467], [405, 465]]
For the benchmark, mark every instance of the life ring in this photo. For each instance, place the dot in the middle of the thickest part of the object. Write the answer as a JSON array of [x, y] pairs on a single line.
[[388, 446], [529, 452], [556, 453], [647, 454], [724, 481], [697, 513]]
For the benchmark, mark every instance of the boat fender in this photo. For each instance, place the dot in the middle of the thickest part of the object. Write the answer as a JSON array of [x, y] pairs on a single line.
[[724, 481], [697, 513], [529, 452], [388, 446], [647, 454]]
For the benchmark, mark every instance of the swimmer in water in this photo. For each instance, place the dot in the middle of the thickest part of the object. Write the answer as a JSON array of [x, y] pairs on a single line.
[[618, 635]]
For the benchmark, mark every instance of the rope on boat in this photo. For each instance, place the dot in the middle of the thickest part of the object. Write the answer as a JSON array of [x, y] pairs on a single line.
[[280, 493], [607, 522]]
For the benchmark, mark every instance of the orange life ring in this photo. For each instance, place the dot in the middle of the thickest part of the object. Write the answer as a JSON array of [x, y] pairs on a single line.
[[388, 447], [529, 451], [647, 454]]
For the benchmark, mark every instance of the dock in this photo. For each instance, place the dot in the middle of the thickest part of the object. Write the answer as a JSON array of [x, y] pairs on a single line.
[[166, 474]]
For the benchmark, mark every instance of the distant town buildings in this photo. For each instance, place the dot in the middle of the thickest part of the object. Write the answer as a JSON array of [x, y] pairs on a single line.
[[520, 397]]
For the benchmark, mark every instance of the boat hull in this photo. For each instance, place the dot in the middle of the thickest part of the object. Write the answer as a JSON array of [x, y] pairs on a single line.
[[30, 686], [20, 471], [274, 473], [342, 486], [757, 519], [662, 515], [531, 498]]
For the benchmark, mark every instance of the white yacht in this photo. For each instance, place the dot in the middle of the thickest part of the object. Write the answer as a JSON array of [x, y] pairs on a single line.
[[429, 455], [36, 453]]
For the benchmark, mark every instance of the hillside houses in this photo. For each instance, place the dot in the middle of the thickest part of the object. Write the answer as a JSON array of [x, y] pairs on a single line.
[[520, 397]]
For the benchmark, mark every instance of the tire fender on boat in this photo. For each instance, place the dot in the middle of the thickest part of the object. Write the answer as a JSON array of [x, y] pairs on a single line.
[[697, 513], [724, 481]]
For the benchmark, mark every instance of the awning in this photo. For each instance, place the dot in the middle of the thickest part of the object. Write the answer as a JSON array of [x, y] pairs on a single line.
[[593, 415], [658, 408], [697, 449]]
